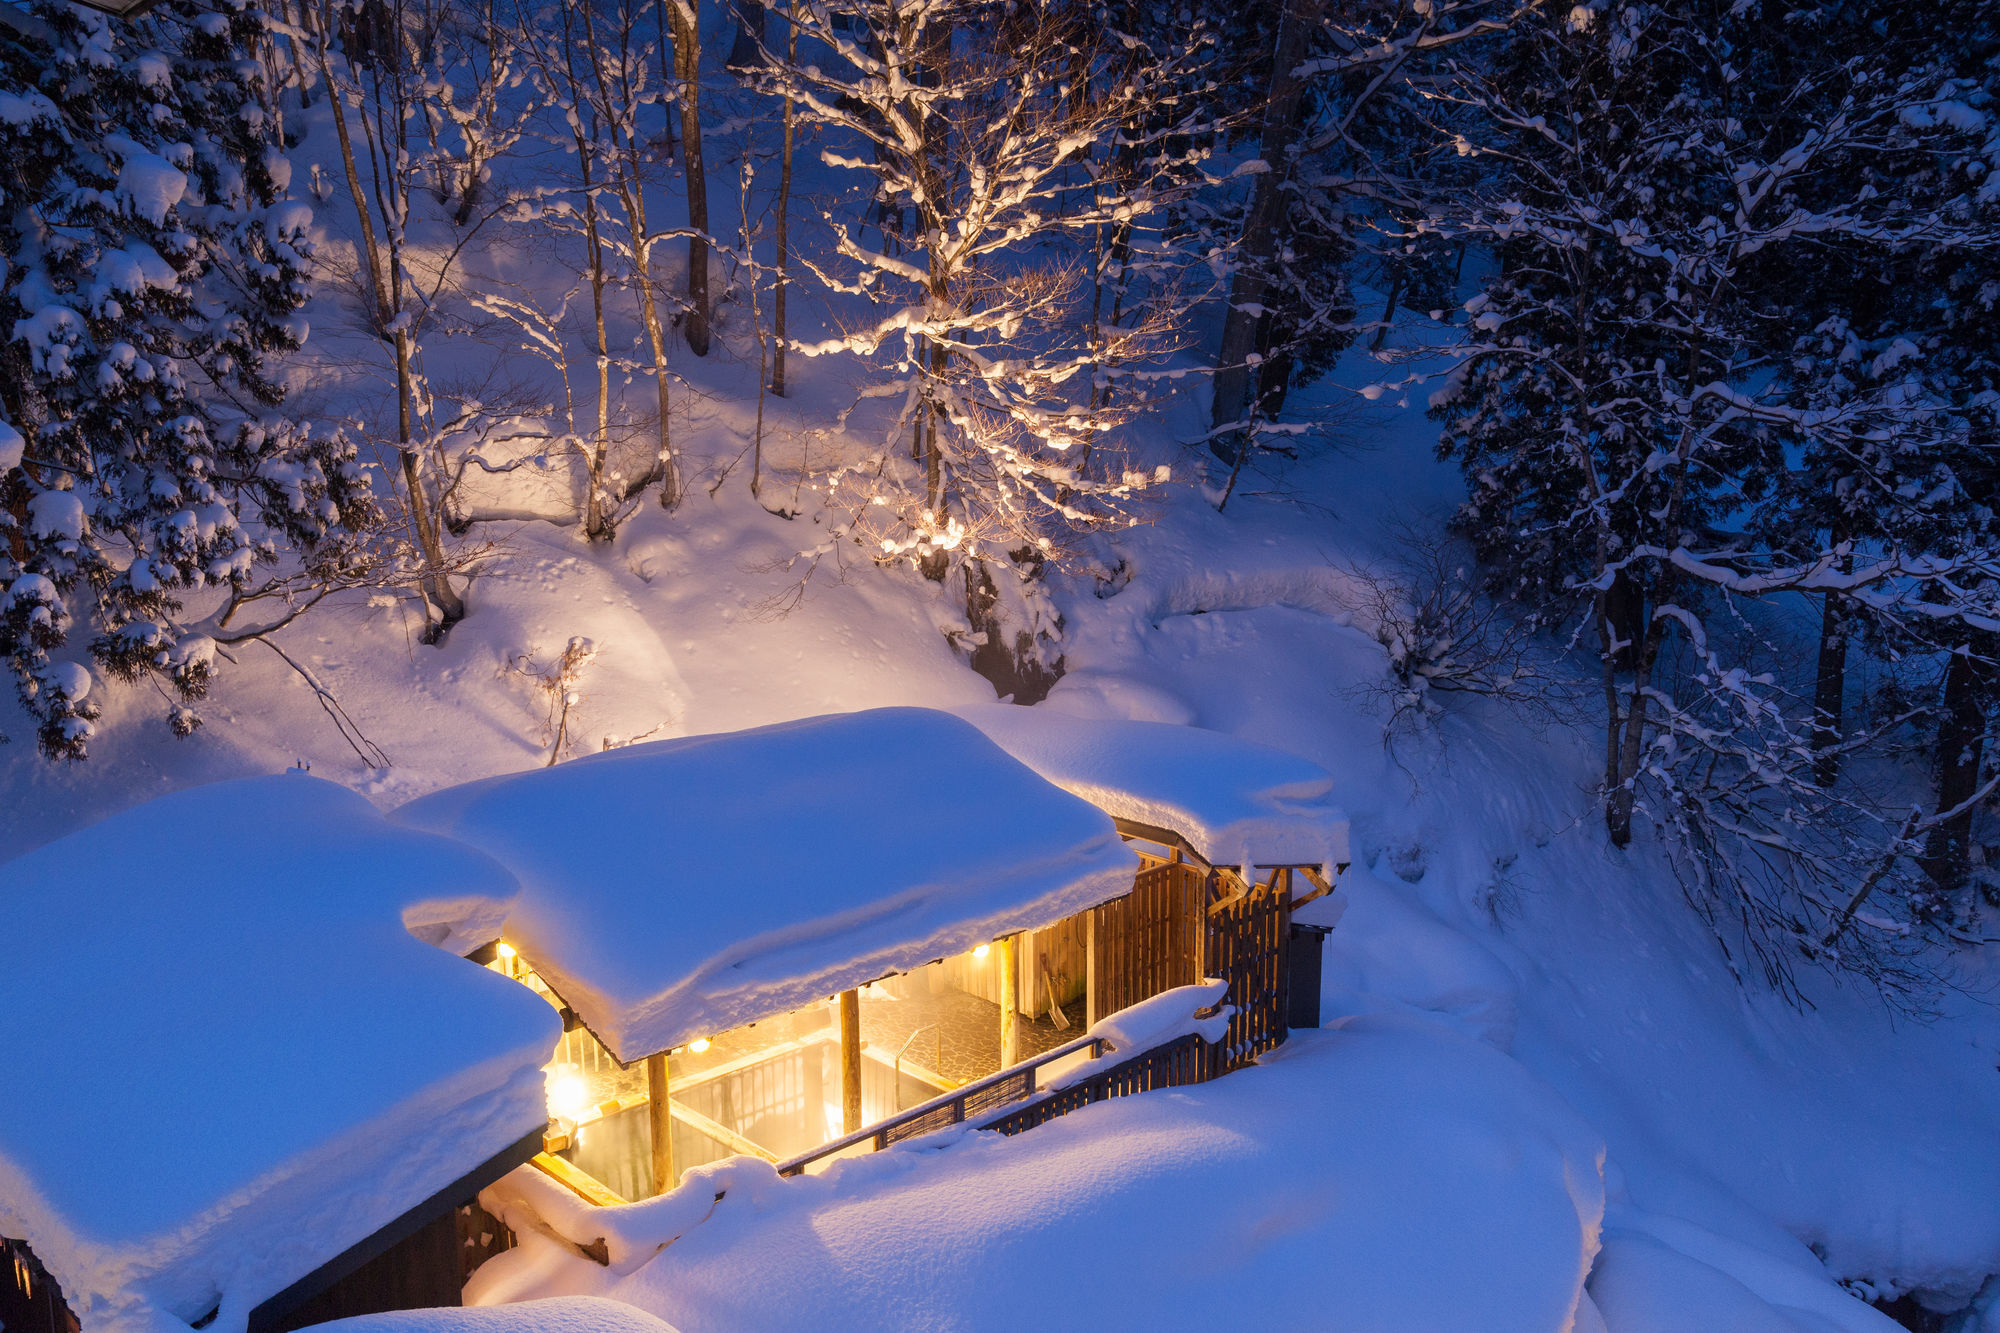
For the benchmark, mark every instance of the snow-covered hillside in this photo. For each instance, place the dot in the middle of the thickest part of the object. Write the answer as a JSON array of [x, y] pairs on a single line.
[[1539, 1100], [1555, 1076]]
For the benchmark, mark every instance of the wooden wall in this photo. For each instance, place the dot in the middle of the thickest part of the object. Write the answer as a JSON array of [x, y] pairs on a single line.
[[424, 1269], [1148, 941], [30, 1300]]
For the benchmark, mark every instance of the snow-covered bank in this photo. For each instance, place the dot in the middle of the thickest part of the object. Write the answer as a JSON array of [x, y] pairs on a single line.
[[1388, 1174], [1485, 892], [576, 1314]]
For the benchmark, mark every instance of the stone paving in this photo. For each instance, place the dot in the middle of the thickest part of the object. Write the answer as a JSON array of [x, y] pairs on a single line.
[[957, 1036]]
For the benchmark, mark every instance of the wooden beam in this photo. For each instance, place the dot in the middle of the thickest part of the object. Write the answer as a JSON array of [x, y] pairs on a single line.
[[1320, 886], [273, 1312], [1167, 838], [659, 1117], [721, 1133], [577, 1180], [850, 1061], [1010, 1001]]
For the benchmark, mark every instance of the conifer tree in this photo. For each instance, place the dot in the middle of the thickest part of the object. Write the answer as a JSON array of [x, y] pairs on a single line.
[[153, 267], [1670, 186]]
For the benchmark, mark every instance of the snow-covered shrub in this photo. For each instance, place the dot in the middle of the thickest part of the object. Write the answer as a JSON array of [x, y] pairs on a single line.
[[1443, 635], [561, 686]]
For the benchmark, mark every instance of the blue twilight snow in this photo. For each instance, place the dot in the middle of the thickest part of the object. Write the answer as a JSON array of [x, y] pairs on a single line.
[[680, 888], [229, 1060]]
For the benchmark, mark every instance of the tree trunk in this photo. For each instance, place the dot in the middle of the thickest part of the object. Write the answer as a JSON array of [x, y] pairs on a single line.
[[596, 527], [436, 583], [1261, 228], [627, 178], [1961, 751], [747, 51], [385, 288], [687, 69], [1829, 690], [377, 286], [1623, 779], [784, 208], [1388, 310]]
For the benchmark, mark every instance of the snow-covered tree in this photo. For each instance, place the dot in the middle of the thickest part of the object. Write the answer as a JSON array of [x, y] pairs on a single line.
[[1344, 158], [1623, 413], [150, 268], [972, 128]]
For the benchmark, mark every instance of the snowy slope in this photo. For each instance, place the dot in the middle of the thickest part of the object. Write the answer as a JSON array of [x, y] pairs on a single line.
[[1384, 1175]]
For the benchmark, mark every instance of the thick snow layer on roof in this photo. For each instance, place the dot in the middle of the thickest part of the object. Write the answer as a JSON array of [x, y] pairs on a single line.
[[1235, 801], [685, 887], [552, 1314], [227, 1058]]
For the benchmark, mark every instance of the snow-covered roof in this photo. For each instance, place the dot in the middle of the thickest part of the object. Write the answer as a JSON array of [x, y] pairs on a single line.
[[550, 1314], [1235, 801], [228, 1060], [680, 888]]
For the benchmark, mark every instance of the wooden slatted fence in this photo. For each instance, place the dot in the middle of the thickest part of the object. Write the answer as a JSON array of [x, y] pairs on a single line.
[[1247, 946]]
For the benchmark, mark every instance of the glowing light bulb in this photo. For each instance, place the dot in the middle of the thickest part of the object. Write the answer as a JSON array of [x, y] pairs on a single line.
[[982, 951], [698, 1045], [504, 949], [569, 1097]]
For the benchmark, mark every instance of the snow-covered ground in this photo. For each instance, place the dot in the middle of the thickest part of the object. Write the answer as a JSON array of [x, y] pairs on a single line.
[[1537, 1081]]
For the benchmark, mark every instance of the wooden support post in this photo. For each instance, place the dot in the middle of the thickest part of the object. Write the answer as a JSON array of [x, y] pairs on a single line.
[[1010, 1001], [850, 1061], [1091, 1012], [659, 1115]]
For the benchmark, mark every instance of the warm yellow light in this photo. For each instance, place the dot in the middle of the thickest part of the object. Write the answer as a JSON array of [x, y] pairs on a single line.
[[569, 1097], [504, 949], [698, 1045], [982, 951]]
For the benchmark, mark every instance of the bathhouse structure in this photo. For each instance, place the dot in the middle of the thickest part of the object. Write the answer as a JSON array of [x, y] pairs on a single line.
[[766, 942], [304, 1036]]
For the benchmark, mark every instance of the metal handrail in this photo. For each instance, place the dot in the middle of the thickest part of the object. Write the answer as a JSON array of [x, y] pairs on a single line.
[[954, 1100]]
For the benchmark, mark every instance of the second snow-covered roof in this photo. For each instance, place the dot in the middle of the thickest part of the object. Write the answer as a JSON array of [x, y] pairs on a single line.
[[680, 888], [228, 1059], [1235, 802]]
